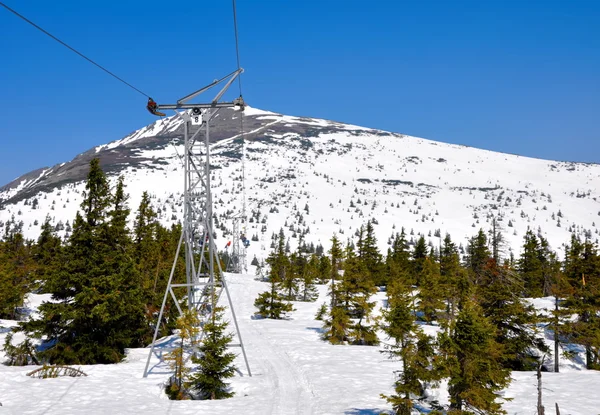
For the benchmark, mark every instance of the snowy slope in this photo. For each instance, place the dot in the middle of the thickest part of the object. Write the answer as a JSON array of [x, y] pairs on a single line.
[[318, 177], [294, 372]]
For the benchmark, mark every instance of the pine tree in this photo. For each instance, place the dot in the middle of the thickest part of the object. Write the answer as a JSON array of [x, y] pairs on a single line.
[[430, 292], [271, 303], [151, 259], [282, 270], [354, 293], [514, 319], [418, 258], [215, 363], [97, 308], [496, 240], [530, 266], [337, 326], [16, 270], [46, 253], [397, 262], [454, 282], [582, 271], [309, 274], [336, 263], [410, 346], [369, 255], [477, 256], [324, 269], [472, 362]]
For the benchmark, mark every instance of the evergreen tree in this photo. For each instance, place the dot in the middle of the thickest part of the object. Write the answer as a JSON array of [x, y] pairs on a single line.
[[309, 274], [16, 270], [472, 362], [354, 293], [336, 263], [530, 266], [398, 266], [215, 363], [430, 293], [271, 303], [282, 270], [46, 253], [514, 319], [418, 256], [477, 256], [146, 254], [496, 240], [337, 326], [324, 272], [410, 346], [582, 271], [97, 310], [369, 255], [454, 282]]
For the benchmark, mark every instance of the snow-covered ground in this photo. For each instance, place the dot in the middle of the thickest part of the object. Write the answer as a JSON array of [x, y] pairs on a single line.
[[293, 372]]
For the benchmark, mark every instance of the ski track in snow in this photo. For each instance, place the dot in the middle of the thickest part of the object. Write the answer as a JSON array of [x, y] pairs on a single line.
[[292, 393]]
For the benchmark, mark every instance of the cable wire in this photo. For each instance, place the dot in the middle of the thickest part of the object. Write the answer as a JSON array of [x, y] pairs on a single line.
[[237, 47], [74, 50]]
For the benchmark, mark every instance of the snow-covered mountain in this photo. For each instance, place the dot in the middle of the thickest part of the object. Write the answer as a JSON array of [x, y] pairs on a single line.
[[315, 177]]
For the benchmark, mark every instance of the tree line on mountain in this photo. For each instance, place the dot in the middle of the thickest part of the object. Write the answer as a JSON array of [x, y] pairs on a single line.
[[106, 284], [486, 327]]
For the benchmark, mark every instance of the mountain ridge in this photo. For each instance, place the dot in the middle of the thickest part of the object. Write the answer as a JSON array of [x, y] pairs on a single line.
[[350, 173]]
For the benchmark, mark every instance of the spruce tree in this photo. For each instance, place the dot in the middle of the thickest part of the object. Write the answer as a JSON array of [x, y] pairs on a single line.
[[368, 253], [530, 266], [46, 253], [309, 274], [514, 319], [477, 256], [418, 258], [215, 364], [16, 271], [337, 326], [454, 282], [336, 263], [97, 308], [413, 348], [152, 261], [582, 270], [472, 362], [271, 304], [354, 294], [430, 293], [397, 262]]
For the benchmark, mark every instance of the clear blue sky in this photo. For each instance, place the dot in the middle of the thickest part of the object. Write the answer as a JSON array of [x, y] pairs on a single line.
[[518, 76]]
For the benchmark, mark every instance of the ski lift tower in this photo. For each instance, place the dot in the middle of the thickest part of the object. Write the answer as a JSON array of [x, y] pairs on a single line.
[[197, 237], [237, 262]]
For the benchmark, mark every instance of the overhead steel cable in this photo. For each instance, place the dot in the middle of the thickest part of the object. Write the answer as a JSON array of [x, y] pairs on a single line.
[[237, 47], [73, 49]]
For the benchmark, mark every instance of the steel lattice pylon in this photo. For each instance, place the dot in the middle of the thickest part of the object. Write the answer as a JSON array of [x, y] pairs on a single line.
[[237, 260], [202, 263]]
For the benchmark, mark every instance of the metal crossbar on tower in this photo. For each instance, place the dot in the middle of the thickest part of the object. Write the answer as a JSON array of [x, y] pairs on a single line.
[[202, 264]]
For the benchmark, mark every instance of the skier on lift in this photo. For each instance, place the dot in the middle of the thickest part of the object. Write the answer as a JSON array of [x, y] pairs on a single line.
[[152, 106]]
